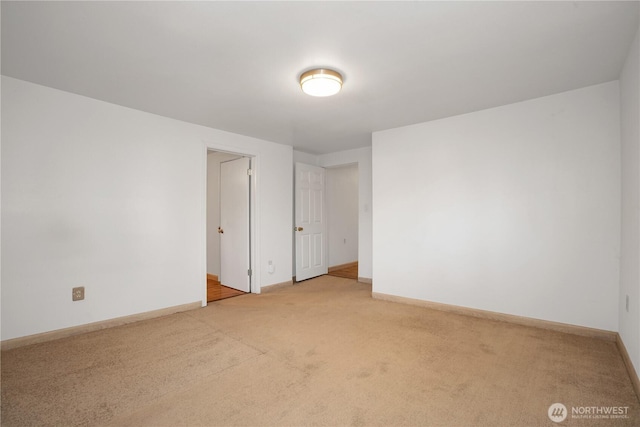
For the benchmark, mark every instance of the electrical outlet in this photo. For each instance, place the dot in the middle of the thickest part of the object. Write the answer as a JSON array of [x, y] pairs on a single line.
[[627, 303], [77, 294]]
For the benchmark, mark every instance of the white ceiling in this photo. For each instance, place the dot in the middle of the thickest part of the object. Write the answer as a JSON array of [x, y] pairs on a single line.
[[235, 65]]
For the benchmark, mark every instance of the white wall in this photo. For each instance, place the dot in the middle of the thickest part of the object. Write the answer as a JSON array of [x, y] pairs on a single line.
[[514, 209], [113, 199], [214, 159], [342, 214], [630, 253]]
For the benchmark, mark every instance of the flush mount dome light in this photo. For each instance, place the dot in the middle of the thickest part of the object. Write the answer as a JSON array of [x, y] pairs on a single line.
[[321, 82]]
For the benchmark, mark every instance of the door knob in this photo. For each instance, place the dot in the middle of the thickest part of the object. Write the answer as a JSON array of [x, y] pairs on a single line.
[[220, 230], [298, 228]]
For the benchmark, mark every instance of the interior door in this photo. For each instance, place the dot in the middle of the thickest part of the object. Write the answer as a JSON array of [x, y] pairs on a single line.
[[310, 226], [235, 259]]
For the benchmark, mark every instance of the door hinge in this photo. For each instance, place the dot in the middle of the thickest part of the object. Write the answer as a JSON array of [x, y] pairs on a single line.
[[249, 172], [249, 272]]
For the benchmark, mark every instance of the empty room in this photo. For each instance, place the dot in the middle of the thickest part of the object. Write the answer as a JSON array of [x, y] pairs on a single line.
[[326, 213]]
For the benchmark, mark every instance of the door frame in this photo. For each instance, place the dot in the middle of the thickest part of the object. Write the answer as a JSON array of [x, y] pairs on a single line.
[[254, 212]]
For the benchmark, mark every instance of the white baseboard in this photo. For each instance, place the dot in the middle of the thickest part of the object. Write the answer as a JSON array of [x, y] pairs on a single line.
[[520, 320], [276, 286], [633, 374], [95, 326]]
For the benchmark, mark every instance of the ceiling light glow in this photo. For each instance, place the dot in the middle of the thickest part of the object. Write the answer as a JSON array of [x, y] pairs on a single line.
[[321, 82]]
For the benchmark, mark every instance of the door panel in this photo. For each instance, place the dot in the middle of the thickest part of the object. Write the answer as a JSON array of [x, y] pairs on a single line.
[[234, 224], [310, 225]]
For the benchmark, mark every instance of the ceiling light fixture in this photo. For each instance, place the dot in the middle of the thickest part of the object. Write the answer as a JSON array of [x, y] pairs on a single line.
[[321, 82]]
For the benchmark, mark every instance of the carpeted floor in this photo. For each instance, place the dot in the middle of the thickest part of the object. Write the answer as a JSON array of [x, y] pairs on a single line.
[[322, 352]]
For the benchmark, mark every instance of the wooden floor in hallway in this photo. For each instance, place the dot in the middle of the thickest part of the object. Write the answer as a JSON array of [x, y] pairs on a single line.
[[216, 291], [348, 271]]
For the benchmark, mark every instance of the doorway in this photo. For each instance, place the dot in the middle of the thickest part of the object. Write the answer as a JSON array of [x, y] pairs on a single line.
[[342, 191], [228, 224], [326, 221]]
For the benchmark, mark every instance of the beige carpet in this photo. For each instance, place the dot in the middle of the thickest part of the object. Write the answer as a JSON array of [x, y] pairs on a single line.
[[319, 353]]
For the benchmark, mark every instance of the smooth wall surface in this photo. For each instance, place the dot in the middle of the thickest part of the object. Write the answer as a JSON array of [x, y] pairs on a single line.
[[342, 214], [113, 199], [630, 245], [514, 209]]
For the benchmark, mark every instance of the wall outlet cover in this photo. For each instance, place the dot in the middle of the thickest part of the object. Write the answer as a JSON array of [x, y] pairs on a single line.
[[77, 294]]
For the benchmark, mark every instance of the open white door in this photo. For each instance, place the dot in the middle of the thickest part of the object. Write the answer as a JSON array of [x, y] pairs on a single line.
[[235, 261], [310, 227]]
